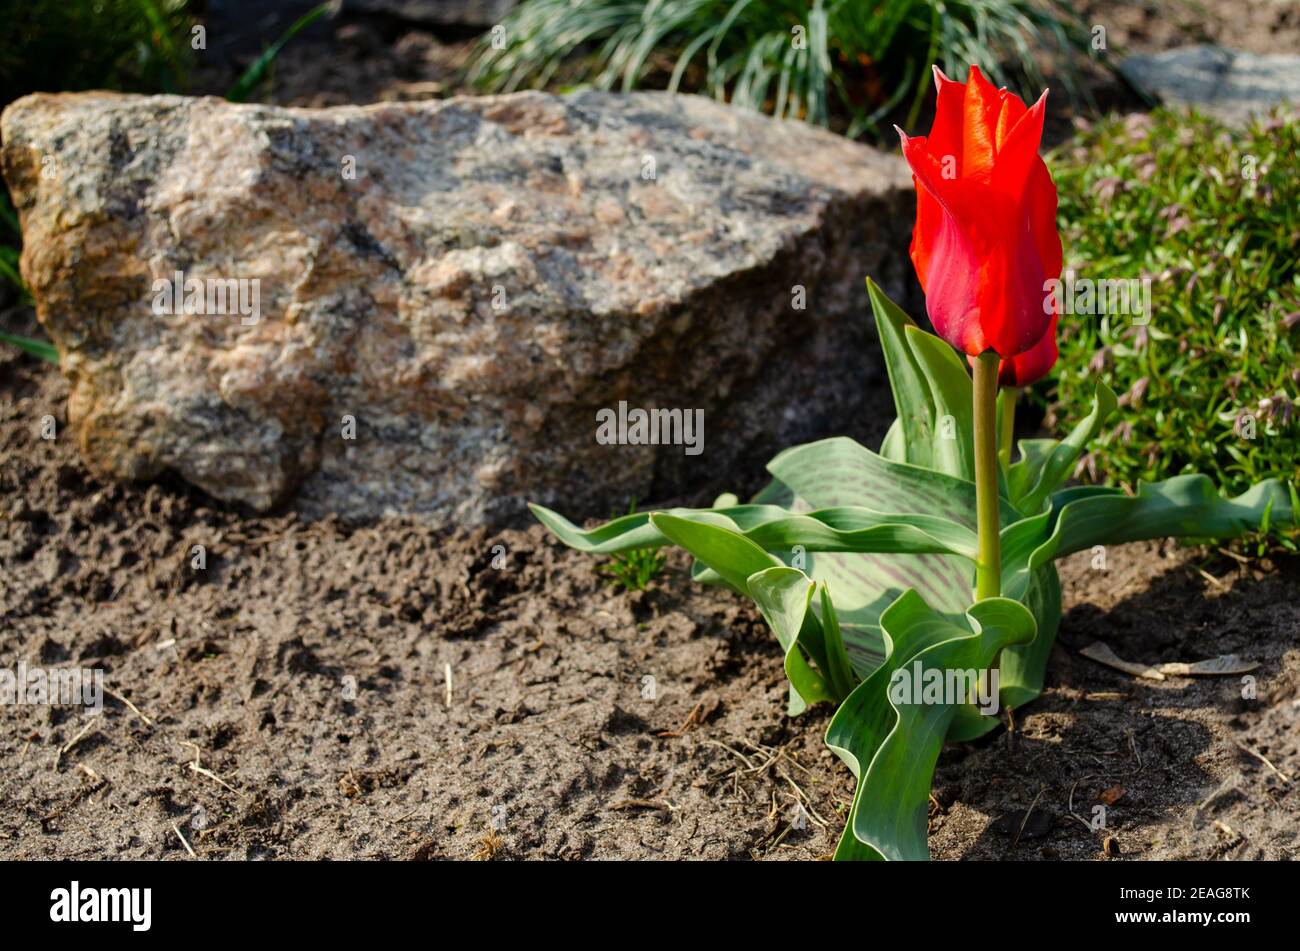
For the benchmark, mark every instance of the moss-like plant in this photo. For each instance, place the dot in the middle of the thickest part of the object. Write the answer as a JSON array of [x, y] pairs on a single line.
[[1211, 374]]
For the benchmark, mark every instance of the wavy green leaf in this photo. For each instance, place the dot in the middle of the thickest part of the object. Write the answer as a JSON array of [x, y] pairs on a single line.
[[911, 437], [1024, 667], [949, 381], [1186, 506], [734, 557], [838, 666], [1056, 467], [834, 470], [892, 747], [735, 560], [892, 447], [1023, 474], [839, 472], [784, 596], [842, 529], [1080, 517], [932, 394]]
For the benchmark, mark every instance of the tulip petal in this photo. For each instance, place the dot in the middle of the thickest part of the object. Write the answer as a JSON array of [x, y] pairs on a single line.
[[927, 170], [1039, 203], [952, 276], [1032, 365], [980, 111], [1011, 113], [939, 179], [945, 136], [1019, 152]]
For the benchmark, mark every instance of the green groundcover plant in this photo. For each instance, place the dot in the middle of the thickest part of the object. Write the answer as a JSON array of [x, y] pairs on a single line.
[[898, 581], [1211, 217]]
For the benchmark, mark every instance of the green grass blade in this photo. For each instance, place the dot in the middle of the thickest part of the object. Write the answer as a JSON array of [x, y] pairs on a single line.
[[253, 76], [37, 348]]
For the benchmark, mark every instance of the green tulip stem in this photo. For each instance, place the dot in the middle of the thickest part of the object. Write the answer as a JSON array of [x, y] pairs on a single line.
[[988, 570], [1007, 423]]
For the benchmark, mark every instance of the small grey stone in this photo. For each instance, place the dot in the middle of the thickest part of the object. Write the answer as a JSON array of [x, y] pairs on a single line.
[[1229, 84]]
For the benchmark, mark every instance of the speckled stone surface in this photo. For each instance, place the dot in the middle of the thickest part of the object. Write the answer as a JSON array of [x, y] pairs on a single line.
[[1232, 85], [496, 270]]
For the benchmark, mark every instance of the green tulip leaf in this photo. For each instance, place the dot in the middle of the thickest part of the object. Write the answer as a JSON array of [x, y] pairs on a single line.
[[784, 596], [1186, 506], [838, 472], [892, 446], [1023, 474], [839, 668], [912, 436], [841, 528], [733, 556], [950, 390], [890, 738], [1057, 464]]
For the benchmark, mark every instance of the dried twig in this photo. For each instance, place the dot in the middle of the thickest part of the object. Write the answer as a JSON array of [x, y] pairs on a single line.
[[183, 842], [656, 804], [1264, 759], [63, 750], [691, 720], [196, 768], [1028, 812], [134, 709]]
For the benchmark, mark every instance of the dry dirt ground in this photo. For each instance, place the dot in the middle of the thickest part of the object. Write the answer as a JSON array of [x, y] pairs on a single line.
[[290, 699]]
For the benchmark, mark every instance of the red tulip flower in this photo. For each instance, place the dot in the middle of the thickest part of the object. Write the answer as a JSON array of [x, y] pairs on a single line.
[[985, 241]]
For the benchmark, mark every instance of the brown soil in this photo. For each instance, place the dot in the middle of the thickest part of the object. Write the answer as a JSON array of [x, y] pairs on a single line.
[[1255, 26], [304, 671], [355, 58]]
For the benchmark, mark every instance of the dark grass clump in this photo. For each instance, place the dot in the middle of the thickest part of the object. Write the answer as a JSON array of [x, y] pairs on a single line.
[[843, 63], [70, 45]]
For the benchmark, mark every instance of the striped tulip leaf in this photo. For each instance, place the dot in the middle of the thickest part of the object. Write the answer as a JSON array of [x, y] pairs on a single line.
[[890, 738], [846, 528], [1051, 469]]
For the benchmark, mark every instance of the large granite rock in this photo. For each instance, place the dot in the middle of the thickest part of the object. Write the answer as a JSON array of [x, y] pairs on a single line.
[[1232, 85], [441, 296]]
